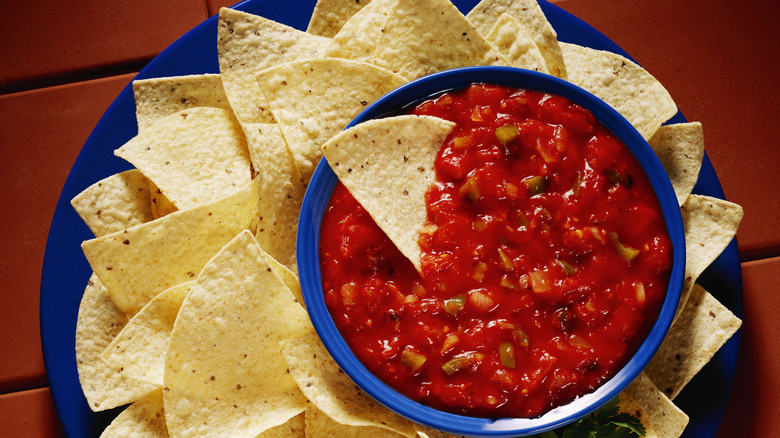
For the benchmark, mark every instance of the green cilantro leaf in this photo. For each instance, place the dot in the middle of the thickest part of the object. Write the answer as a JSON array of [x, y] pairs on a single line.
[[607, 422]]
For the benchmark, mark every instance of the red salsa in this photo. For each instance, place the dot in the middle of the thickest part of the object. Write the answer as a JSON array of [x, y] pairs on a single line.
[[545, 261]]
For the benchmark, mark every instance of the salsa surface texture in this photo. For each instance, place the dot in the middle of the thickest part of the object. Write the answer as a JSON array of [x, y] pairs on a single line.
[[545, 261]]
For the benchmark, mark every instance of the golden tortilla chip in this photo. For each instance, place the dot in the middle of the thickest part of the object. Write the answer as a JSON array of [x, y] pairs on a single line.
[[388, 165], [330, 15], [680, 148], [115, 203], [225, 374], [530, 16], [281, 190], [144, 418], [194, 157], [710, 224], [138, 263], [413, 38], [319, 425], [295, 427], [661, 418], [517, 46], [139, 349], [702, 328], [158, 98], [249, 43], [624, 85], [314, 99], [332, 392], [98, 322]]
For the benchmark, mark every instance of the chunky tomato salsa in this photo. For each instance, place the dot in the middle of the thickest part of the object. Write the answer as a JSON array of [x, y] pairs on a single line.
[[545, 261]]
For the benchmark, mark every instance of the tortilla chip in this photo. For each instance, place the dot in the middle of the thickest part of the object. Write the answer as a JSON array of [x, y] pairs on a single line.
[[702, 328], [144, 418], [435, 36], [319, 425], [661, 418], [315, 99], [680, 148], [530, 16], [331, 391], [161, 206], [139, 349], [249, 43], [115, 203], [281, 191], [710, 224], [158, 98], [194, 157], [138, 263], [517, 46], [330, 15], [388, 165], [624, 85], [295, 427], [98, 322], [225, 374], [427, 432]]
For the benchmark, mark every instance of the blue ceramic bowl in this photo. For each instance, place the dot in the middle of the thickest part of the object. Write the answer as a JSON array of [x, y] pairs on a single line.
[[321, 188]]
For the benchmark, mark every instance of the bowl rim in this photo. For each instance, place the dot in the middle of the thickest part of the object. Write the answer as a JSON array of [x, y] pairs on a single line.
[[324, 181]]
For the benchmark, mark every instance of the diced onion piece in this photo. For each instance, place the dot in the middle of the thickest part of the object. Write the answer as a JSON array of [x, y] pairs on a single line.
[[418, 289], [506, 352], [449, 342], [627, 253], [506, 133], [454, 305], [479, 225], [349, 292], [508, 283], [575, 187], [567, 268], [506, 261], [481, 301], [520, 337], [411, 359], [478, 272], [471, 189], [511, 190], [456, 364], [578, 341], [639, 288], [540, 281]]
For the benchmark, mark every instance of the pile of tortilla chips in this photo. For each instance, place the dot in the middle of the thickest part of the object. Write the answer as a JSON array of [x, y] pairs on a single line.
[[193, 316]]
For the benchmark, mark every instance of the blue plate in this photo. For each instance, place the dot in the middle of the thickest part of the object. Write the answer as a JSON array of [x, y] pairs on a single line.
[[66, 271]]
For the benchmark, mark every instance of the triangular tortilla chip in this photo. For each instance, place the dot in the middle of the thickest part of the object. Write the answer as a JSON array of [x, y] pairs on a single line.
[[161, 206], [225, 374], [314, 99], [330, 15], [158, 98], [98, 322], [194, 157], [680, 148], [140, 348], [332, 392], [138, 263], [702, 328], [115, 203], [281, 191], [624, 85], [661, 418], [530, 16], [249, 43], [319, 425], [710, 224], [516, 44], [387, 165], [144, 418], [435, 36]]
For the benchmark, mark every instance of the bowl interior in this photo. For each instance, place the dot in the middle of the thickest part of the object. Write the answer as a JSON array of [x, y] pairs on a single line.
[[324, 181]]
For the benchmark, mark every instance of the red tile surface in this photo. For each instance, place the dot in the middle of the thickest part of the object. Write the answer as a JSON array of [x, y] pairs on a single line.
[[215, 5], [29, 414], [754, 408], [44, 39], [41, 132], [718, 60]]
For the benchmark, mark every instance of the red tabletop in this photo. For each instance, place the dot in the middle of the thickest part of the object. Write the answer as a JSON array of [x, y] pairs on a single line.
[[64, 63]]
